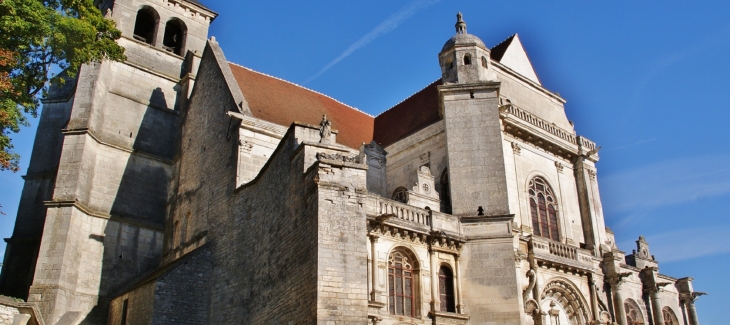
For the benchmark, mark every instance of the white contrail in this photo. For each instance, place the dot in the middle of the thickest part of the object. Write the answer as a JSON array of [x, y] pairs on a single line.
[[386, 26]]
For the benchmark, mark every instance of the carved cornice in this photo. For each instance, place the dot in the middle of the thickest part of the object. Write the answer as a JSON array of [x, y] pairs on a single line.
[[384, 226]]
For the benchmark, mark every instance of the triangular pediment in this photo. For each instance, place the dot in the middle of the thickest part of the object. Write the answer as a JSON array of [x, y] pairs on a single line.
[[511, 54]]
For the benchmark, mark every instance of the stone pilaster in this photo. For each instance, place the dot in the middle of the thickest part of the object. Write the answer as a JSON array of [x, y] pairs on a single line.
[[687, 297]]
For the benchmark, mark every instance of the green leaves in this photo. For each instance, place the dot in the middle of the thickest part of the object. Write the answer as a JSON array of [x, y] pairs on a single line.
[[35, 37]]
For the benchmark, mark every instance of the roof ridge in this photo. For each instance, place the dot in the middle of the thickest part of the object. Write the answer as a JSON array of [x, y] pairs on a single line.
[[413, 94], [300, 86], [505, 40]]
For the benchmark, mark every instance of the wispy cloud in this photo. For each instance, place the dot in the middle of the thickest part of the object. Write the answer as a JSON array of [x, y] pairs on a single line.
[[666, 183], [384, 27], [687, 244]]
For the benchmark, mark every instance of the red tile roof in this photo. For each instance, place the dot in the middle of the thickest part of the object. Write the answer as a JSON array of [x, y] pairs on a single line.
[[282, 102], [409, 116]]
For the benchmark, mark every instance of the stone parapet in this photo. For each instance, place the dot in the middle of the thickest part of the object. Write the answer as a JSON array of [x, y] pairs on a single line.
[[544, 134]]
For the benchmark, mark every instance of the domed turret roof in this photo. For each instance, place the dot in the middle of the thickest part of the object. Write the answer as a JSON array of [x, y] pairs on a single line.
[[462, 38]]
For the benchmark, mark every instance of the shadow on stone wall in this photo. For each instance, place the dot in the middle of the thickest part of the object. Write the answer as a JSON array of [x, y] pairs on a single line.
[[133, 237]]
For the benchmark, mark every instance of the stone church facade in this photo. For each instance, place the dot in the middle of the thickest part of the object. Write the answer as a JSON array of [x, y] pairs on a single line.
[[180, 188]]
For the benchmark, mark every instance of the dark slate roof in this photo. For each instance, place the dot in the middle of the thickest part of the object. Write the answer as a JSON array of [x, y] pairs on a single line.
[[409, 116], [281, 102], [498, 51]]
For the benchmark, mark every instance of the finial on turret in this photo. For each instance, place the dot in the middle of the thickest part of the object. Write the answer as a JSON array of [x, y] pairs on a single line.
[[460, 24]]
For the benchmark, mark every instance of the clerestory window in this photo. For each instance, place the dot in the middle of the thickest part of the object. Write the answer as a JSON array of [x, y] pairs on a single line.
[[402, 270], [446, 289], [543, 209], [145, 26]]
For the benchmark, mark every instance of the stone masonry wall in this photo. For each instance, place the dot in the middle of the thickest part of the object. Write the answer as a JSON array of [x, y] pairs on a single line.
[[6, 314], [22, 250], [489, 282], [474, 147], [342, 245], [427, 146]]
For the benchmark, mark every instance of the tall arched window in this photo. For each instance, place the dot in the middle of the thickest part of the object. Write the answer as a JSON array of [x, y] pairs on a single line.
[[543, 209], [402, 272], [145, 26], [669, 317], [174, 40], [633, 314], [484, 62], [400, 194], [446, 289], [444, 192]]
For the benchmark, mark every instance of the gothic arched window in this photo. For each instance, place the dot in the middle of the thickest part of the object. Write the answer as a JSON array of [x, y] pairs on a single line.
[[633, 314], [145, 26], [174, 39], [402, 271], [400, 194], [669, 317], [446, 289], [543, 209]]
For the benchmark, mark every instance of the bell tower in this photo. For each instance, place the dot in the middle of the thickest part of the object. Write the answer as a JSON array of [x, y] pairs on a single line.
[[92, 215], [464, 58], [470, 107]]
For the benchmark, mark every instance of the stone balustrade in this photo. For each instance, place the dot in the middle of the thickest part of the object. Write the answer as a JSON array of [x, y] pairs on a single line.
[[549, 250], [563, 251], [401, 211], [549, 127]]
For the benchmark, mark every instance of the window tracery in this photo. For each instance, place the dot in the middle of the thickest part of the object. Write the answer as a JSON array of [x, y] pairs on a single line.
[[633, 314], [669, 317], [401, 284], [543, 209], [400, 194]]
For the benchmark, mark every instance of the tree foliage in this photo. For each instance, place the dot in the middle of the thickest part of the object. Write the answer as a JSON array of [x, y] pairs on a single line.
[[37, 36]]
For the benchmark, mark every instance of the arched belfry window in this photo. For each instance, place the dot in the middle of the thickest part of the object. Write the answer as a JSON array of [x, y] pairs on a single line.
[[400, 194], [467, 59], [402, 277], [145, 26], [174, 40], [446, 289], [543, 209]]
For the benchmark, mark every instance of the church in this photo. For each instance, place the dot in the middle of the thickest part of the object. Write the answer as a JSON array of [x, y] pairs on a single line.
[[180, 188]]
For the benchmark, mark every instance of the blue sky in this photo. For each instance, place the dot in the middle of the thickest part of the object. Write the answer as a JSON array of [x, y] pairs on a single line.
[[647, 81]]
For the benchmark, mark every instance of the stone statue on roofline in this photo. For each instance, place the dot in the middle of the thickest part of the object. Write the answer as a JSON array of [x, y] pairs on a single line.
[[325, 130]]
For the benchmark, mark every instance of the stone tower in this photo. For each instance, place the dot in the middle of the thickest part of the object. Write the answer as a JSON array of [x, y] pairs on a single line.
[[93, 210], [470, 109]]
